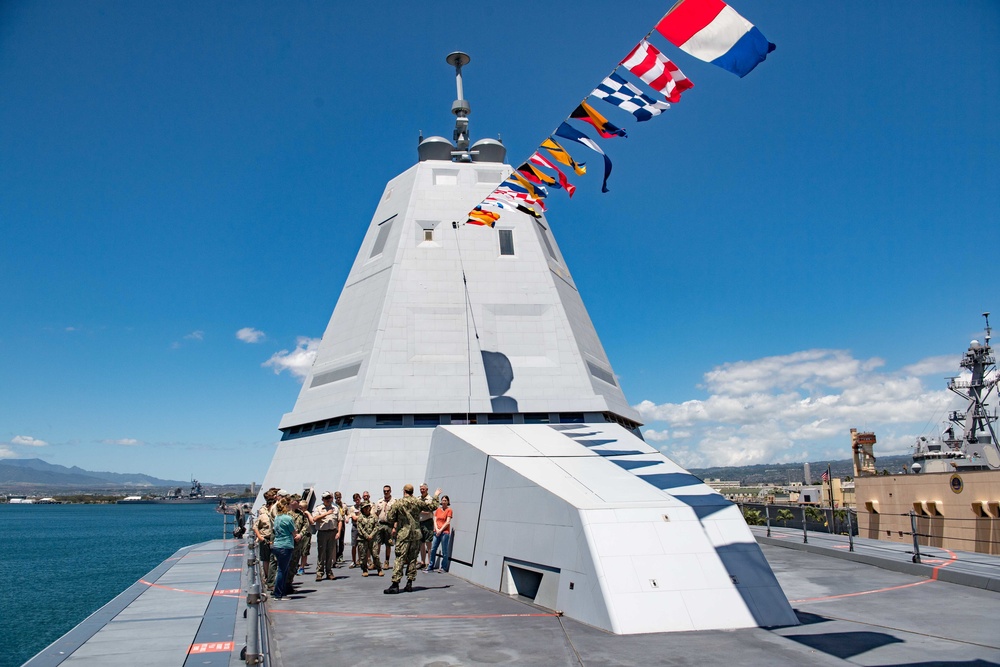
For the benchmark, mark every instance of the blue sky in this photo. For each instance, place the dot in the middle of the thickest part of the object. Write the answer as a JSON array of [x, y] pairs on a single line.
[[780, 257]]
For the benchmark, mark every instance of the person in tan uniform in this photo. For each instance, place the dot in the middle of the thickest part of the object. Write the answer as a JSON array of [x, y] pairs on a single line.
[[381, 512], [329, 524]]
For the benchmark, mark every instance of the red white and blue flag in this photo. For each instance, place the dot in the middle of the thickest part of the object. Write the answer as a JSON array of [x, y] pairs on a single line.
[[712, 31], [826, 476]]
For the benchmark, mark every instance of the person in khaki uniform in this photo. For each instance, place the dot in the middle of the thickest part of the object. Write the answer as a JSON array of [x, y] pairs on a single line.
[[381, 512], [368, 532], [328, 522], [405, 518], [263, 528]]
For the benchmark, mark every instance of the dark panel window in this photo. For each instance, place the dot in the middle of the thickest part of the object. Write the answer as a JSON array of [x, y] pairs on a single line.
[[426, 420], [506, 241]]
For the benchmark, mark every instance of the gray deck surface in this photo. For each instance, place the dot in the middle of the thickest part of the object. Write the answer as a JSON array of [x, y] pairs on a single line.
[[190, 601], [869, 607], [851, 613]]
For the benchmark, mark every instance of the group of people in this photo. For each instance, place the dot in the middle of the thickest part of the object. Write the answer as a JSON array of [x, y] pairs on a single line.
[[419, 527]]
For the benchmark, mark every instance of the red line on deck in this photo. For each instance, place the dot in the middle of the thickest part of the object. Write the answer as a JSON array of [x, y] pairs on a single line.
[[934, 575], [223, 594], [423, 616]]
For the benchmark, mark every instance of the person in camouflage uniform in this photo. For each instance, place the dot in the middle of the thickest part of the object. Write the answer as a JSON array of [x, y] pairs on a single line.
[[368, 532], [405, 520], [302, 522]]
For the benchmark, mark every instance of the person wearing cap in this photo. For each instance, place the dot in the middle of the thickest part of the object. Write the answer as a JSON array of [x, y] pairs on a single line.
[[381, 512], [328, 530], [302, 522], [263, 529], [353, 512], [368, 533], [405, 518]]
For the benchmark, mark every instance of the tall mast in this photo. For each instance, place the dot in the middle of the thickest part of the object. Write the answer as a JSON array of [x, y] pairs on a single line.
[[460, 107]]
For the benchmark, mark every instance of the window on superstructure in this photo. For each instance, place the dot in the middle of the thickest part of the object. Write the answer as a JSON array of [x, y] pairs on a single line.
[[536, 418], [428, 234], [506, 241], [426, 420]]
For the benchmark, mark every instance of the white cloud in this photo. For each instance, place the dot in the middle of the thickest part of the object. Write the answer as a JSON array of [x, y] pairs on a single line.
[[655, 436], [250, 335], [796, 407], [27, 441], [945, 365], [195, 335], [7, 453], [298, 361], [126, 442]]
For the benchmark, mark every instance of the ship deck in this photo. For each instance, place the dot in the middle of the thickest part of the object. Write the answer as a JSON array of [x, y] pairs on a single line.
[[872, 606]]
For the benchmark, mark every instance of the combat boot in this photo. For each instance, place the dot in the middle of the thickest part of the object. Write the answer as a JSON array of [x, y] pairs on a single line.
[[409, 587], [393, 589]]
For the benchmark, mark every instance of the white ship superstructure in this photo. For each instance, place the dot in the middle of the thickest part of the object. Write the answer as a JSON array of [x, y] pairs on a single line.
[[470, 348]]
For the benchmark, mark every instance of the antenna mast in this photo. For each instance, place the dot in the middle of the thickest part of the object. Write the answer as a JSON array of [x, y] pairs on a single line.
[[460, 107]]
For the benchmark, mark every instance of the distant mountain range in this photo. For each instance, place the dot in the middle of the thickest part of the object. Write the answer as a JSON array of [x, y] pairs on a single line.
[[36, 472], [22, 474]]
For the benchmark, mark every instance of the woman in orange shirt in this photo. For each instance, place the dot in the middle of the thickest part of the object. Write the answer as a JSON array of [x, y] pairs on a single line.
[[442, 535]]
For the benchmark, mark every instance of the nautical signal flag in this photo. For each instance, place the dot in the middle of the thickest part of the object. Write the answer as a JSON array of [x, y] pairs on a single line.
[[540, 160], [647, 63], [567, 131], [712, 31], [587, 114], [563, 156], [478, 216], [707, 29], [616, 90]]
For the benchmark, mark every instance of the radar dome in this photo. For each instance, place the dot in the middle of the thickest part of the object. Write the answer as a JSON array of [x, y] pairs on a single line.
[[435, 148]]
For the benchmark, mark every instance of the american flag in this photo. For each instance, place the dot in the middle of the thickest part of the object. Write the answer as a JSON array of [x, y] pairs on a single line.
[[826, 476]]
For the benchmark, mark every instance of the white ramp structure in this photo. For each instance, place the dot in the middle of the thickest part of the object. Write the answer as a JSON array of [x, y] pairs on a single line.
[[590, 520], [464, 356]]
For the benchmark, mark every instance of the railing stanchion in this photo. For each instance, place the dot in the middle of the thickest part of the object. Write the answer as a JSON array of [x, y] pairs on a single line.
[[916, 542], [850, 530]]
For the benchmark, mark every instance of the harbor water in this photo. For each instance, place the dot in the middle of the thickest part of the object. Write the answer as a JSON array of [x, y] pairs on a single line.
[[60, 563]]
